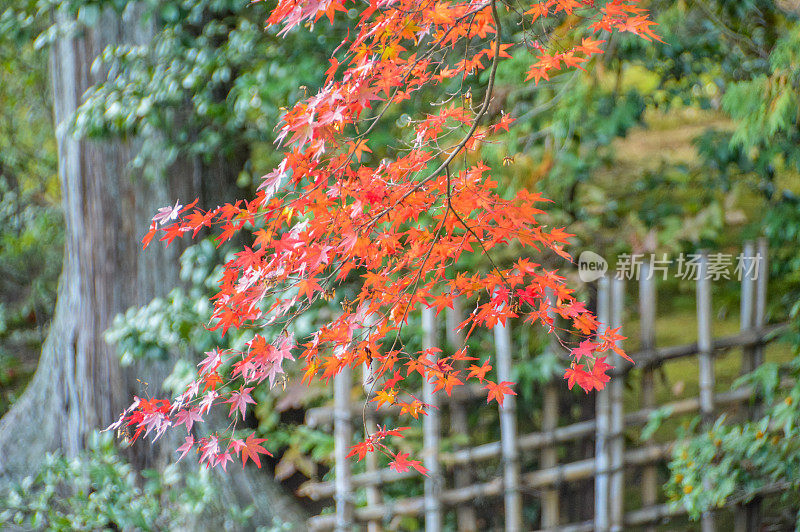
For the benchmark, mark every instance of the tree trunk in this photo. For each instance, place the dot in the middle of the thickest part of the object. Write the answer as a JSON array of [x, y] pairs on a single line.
[[79, 385]]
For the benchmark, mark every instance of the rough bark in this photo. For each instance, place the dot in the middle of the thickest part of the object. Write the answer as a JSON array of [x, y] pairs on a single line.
[[79, 385]]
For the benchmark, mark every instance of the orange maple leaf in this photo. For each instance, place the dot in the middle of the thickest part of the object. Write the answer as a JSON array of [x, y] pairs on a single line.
[[414, 408], [537, 10], [479, 371], [498, 391], [383, 397]]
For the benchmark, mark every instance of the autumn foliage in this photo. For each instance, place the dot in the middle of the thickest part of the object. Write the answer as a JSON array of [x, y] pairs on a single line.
[[401, 225]]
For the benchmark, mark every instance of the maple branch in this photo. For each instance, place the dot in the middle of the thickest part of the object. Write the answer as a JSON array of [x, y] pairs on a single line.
[[432, 49], [481, 112], [321, 249], [409, 70], [405, 311], [469, 229], [486, 100]]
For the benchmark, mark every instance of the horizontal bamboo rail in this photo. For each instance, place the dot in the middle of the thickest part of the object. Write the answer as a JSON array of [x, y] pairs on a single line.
[[534, 480], [661, 512], [323, 415], [580, 470], [751, 338], [527, 442]]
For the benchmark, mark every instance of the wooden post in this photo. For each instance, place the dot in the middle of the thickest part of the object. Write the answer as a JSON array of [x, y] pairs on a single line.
[[373, 492], [508, 433], [746, 301], [753, 306], [550, 501], [343, 436], [602, 455], [465, 514], [430, 433], [705, 358], [761, 297], [647, 322], [617, 415], [748, 268]]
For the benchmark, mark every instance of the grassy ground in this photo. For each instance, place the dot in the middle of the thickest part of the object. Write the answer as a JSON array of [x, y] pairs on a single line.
[[666, 139]]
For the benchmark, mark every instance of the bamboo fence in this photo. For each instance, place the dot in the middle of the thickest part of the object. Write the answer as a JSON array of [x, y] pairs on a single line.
[[452, 484]]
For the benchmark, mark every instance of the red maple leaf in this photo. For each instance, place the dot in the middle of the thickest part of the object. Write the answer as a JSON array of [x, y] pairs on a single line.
[[586, 348], [150, 234], [401, 464], [361, 449], [391, 383], [575, 374]]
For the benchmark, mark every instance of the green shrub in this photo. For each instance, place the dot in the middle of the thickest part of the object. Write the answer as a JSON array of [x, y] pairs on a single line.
[[99, 490]]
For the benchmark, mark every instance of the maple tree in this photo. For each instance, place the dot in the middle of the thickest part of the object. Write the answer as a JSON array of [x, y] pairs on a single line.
[[325, 216]]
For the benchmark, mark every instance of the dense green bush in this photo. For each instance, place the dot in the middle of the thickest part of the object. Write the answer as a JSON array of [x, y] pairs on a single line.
[[100, 491], [734, 462], [31, 249]]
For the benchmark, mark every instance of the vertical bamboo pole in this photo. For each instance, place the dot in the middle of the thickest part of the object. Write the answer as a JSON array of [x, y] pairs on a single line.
[[705, 358], [373, 492], [647, 328], [742, 517], [508, 432], [550, 502], [343, 436], [761, 298], [617, 415], [602, 455], [747, 303], [465, 514], [430, 433], [748, 516]]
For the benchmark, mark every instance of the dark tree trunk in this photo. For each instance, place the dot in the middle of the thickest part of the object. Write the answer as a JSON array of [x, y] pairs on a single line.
[[79, 385]]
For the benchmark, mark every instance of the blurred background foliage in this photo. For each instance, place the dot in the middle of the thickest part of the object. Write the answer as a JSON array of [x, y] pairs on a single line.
[[97, 490], [31, 228], [659, 148]]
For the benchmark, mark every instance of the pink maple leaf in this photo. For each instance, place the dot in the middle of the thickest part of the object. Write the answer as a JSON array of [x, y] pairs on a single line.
[[186, 447], [165, 214], [209, 448], [188, 417], [211, 362], [239, 401]]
